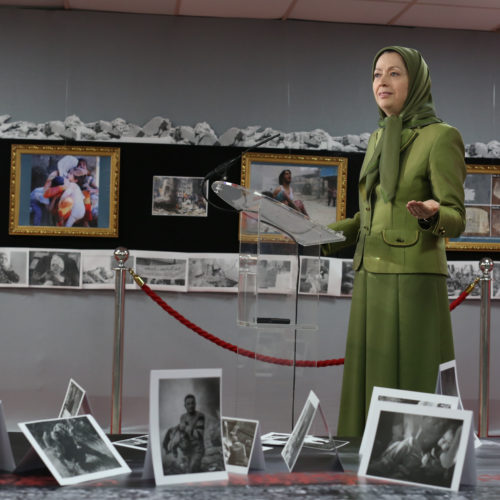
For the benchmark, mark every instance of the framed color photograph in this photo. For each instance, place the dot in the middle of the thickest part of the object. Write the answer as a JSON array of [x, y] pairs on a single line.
[[74, 449], [185, 426], [64, 190], [482, 210], [316, 186], [430, 451]]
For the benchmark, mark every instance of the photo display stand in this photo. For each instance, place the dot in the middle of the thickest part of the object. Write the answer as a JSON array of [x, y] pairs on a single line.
[[278, 299]]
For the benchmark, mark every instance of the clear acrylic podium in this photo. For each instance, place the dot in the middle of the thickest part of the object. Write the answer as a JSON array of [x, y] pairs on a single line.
[[281, 277]]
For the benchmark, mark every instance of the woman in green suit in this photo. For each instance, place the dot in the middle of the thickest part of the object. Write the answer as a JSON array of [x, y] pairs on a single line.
[[411, 198]]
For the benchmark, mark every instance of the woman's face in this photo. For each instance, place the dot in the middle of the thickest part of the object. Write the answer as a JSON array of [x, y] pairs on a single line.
[[390, 83]]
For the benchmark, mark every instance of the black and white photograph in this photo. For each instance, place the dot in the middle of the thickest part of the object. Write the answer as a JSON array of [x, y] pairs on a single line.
[[347, 281], [477, 189], [314, 275], [186, 426], [178, 196], [54, 268], [448, 380], [295, 442], [136, 443], [407, 398], [74, 449], [416, 444], [98, 269], [72, 400], [210, 273], [460, 275], [13, 267], [276, 274], [238, 439], [162, 271]]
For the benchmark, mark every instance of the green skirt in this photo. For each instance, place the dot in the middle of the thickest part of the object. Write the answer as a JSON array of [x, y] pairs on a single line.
[[399, 332]]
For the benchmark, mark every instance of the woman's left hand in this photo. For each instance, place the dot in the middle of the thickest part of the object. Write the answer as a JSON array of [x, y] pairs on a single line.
[[423, 209]]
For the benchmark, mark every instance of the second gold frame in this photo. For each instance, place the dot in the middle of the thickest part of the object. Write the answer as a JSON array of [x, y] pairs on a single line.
[[319, 186]]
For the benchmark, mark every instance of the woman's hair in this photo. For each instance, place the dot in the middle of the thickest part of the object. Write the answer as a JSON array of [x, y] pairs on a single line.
[[282, 175]]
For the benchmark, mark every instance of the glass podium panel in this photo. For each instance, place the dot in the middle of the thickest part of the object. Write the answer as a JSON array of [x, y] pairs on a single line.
[[280, 280]]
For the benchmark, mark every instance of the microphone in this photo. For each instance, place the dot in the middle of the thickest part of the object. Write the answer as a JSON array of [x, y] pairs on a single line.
[[224, 167]]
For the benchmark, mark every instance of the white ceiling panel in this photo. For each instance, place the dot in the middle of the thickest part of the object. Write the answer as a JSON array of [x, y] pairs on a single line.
[[439, 16], [492, 4], [353, 11], [166, 7], [42, 4], [456, 14], [255, 9]]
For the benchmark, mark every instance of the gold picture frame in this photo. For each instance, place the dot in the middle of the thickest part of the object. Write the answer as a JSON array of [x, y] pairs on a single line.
[[482, 209], [64, 190], [317, 181]]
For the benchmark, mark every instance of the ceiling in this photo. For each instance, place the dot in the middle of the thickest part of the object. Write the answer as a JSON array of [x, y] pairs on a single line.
[[483, 15]]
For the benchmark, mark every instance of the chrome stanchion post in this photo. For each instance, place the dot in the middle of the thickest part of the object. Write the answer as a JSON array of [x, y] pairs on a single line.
[[121, 255], [486, 267]]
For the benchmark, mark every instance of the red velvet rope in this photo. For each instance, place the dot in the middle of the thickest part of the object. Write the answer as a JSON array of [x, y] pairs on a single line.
[[250, 354], [464, 294], [232, 347]]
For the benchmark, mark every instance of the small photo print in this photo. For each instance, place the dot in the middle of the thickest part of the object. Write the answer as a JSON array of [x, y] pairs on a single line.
[[347, 282], [72, 401], [210, 273], [460, 275], [136, 443], [314, 275], [54, 268], [238, 440], [295, 442], [275, 274], [74, 449], [98, 269], [448, 380], [163, 271], [13, 267], [186, 426], [179, 196], [413, 444], [406, 398]]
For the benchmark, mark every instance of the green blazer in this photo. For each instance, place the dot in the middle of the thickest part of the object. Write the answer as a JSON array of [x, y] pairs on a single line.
[[389, 239]]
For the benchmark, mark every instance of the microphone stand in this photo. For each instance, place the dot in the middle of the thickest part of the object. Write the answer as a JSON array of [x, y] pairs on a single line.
[[222, 169]]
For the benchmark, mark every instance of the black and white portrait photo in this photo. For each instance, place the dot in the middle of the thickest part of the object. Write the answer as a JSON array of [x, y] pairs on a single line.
[[54, 268], [422, 445], [74, 449], [186, 427]]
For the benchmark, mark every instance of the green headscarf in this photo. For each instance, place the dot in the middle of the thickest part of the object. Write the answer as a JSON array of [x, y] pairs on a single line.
[[418, 111]]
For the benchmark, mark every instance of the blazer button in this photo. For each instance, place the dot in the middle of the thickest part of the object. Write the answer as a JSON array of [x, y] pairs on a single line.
[[442, 231]]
